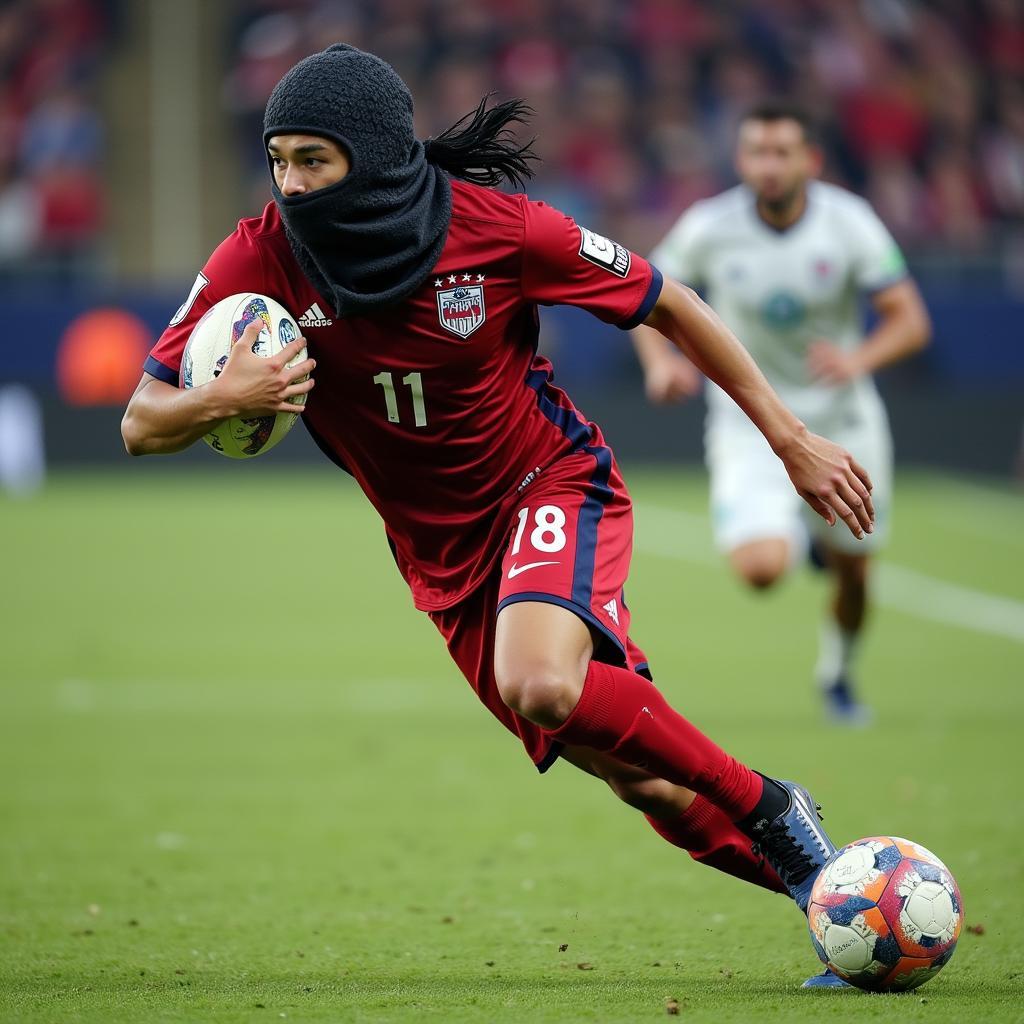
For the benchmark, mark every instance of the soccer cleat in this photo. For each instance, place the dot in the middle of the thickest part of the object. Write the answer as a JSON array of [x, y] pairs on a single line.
[[826, 980], [843, 707], [794, 844]]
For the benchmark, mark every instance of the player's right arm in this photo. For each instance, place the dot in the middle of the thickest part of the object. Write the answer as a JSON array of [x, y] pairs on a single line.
[[162, 419]]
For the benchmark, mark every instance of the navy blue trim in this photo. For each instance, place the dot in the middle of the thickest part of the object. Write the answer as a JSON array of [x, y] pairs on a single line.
[[568, 422], [645, 307], [554, 752], [157, 369], [587, 523], [584, 613], [644, 669]]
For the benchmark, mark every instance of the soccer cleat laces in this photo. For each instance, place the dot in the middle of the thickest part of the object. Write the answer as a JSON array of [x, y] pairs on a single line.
[[792, 863]]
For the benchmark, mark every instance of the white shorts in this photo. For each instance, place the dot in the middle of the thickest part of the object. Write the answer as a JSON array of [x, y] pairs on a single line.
[[752, 497]]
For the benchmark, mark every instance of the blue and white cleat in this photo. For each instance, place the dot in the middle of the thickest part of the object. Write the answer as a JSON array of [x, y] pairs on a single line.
[[795, 844], [843, 707], [826, 980]]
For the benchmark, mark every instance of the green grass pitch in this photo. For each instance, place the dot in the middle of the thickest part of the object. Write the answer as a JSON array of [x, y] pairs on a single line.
[[242, 782]]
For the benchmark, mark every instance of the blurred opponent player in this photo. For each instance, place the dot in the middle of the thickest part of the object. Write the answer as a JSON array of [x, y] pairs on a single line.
[[784, 260], [503, 506]]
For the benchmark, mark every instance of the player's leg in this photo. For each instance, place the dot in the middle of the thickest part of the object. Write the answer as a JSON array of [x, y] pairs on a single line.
[[848, 563], [762, 562], [620, 713], [681, 817], [841, 631], [755, 512], [548, 621]]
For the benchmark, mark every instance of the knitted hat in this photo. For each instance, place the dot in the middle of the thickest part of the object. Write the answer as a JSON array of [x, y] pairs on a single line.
[[368, 241], [350, 96]]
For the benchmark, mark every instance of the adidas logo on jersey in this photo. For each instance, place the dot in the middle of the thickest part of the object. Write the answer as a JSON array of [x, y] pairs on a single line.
[[612, 608], [314, 317]]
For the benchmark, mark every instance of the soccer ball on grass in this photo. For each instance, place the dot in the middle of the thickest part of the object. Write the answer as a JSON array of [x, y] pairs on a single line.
[[885, 914]]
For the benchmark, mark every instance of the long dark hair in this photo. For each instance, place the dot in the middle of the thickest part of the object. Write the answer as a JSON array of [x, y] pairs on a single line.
[[480, 146]]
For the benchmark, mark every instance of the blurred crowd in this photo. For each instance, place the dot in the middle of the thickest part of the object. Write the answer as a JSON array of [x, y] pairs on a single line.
[[51, 190], [921, 102]]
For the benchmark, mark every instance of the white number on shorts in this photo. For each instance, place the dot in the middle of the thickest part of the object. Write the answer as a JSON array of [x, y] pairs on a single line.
[[549, 533]]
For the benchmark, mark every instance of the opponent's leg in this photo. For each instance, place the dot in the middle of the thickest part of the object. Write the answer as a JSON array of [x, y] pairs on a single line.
[[840, 635], [681, 817], [542, 673], [761, 563]]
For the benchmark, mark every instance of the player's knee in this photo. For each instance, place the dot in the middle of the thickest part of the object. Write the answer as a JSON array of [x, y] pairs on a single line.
[[760, 573], [542, 692]]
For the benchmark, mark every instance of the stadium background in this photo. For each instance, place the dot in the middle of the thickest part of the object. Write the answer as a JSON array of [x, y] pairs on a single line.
[[239, 777], [131, 145]]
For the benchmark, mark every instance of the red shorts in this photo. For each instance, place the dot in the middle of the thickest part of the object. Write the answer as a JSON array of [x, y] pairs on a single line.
[[570, 542]]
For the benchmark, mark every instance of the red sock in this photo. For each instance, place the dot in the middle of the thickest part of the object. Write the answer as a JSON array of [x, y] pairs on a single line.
[[709, 837], [623, 714]]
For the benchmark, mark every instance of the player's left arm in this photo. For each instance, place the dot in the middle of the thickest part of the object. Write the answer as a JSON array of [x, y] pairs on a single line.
[[824, 474], [904, 327]]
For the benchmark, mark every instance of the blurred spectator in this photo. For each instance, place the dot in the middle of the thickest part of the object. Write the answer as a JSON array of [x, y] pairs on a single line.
[[921, 103], [51, 208]]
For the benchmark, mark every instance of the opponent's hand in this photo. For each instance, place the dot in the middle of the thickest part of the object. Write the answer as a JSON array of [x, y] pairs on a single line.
[[828, 363], [831, 482], [671, 378], [252, 385]]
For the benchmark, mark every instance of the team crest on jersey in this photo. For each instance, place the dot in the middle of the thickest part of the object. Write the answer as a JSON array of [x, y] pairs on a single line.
[[461, 309]]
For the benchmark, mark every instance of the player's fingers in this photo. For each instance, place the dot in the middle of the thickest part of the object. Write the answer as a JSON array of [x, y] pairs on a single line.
[[296, 408], [252, 331], [844, 512], [300, 370], [293, 348], [301, 388], [862, 473], [862, 490], [246, 339], [857, 506], [822, 508]]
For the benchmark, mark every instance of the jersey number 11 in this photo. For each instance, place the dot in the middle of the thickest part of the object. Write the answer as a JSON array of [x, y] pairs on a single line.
[[414, 381]]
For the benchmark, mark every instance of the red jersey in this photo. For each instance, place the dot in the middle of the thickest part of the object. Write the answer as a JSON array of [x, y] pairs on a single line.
[[439, 406]]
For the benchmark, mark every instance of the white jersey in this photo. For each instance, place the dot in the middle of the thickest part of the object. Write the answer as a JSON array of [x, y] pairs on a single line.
[[780, 290]]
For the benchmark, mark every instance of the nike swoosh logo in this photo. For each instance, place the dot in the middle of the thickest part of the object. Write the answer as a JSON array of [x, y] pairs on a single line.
[[515, 570]]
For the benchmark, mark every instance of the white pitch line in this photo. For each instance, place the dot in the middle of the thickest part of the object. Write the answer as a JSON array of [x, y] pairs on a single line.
[[687, 537]]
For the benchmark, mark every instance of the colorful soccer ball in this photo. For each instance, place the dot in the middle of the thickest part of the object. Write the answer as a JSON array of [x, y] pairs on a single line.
[[885, 914], [207, 351]]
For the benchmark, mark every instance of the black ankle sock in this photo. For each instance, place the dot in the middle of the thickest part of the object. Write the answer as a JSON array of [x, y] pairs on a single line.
[[774, 801]]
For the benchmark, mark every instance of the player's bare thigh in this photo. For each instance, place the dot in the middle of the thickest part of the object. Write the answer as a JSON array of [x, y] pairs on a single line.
[[541, 655], [633, 786]]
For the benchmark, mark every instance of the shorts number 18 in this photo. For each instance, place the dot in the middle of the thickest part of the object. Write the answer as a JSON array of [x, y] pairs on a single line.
[[549, 532]]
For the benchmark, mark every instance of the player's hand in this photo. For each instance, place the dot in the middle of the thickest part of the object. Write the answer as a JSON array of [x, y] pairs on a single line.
[[252, 385], [828, 363], [671, 378], [829, 479]]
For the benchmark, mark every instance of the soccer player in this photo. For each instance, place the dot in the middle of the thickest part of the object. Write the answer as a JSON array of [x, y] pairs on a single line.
[[503, 507], [784, 259]]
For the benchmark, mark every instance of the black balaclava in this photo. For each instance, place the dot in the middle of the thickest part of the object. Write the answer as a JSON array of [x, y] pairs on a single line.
[[369, 240]]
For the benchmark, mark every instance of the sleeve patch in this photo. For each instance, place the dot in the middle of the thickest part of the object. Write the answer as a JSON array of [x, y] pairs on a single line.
[[604, 253], [200, 283]]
